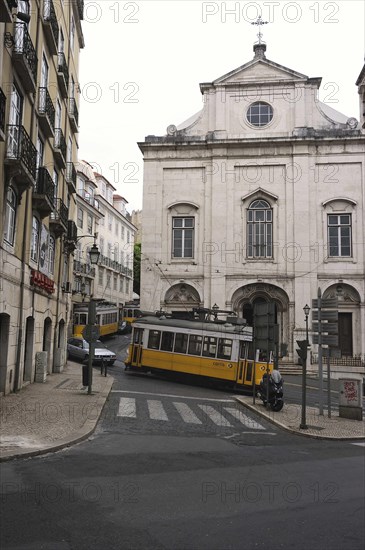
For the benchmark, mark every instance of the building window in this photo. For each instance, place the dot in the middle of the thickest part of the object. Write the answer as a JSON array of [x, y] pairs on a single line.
[[101, 276], [115, 287], [35, 239], [101, 244], [128, 237], [339, 235], [116, 228], [80, 217], [259, 113], [51, 253], [182, 237], [72, 34], [110, 222], [259, 230], [108, 277], [10, 215], [122, 231], [89, 223], [127, 286], [121, 285]]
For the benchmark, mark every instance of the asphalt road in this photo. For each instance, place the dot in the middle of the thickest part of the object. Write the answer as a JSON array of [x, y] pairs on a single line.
[[177, 466]]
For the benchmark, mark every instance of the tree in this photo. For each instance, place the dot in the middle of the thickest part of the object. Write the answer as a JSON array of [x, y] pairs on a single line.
[[137, 268]]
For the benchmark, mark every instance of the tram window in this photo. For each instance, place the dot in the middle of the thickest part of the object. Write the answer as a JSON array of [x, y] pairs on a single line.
[[98, 317], [181, 343], [224, 348], [195, 344], [209, 346], [83, 318], [167, 340], [243, 350], [154, 339]]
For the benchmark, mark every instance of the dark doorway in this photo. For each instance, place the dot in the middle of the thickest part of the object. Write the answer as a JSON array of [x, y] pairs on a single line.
[[345, 333]]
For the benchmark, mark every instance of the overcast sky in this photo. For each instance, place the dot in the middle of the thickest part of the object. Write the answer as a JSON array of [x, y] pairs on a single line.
[[143, 61]]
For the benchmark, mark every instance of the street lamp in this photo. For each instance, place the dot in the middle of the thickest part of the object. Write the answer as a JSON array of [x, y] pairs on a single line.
[[94, 258], [303, 424]]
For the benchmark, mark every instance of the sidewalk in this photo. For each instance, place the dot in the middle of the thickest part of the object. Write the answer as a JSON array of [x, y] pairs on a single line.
[[321, 427], [47, 417]]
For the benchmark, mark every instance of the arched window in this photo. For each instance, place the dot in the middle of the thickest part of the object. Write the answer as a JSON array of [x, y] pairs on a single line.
[[259, 230], [34, 245], [11, 204]]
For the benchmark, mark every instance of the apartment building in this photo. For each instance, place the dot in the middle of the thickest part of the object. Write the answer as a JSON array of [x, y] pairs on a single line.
[[40, 41]]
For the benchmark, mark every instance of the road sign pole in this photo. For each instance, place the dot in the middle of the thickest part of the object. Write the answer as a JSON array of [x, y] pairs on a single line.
[[329, 383], [320, 366], [91, 321]]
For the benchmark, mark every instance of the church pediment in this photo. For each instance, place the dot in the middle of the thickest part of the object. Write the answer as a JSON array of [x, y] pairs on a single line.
[[257, 70]]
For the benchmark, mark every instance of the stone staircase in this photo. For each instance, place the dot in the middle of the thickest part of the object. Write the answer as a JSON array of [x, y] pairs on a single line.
[[295, 369]]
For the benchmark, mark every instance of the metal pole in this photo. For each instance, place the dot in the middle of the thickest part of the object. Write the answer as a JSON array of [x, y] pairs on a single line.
[[303, 424], [329, 383], [320, 367], [91, 321]]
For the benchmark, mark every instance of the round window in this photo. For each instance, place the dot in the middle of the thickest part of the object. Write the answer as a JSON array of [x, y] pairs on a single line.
[[259, 113]]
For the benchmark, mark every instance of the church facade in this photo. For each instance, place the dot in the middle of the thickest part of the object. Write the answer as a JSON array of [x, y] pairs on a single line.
[[258, 197]]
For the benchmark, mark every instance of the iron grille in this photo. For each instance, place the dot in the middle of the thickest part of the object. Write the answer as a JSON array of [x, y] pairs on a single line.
[[2, 110], [44, 184], [60, 142], [62, 66], [23, 46], [49, 14], [20, 147], [46, 106]]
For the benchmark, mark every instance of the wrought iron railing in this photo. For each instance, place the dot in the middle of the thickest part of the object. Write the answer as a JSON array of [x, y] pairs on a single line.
[[85, 268], [113, 264], [71, 175], [62, 66], [49, 14], [89, 198], [346, 361], [23, 45], [71, 231], [20, 147], [60, 212], [2, 110], [80, 8], [60, 142], [73, 110], [45, 105], [44, 184]]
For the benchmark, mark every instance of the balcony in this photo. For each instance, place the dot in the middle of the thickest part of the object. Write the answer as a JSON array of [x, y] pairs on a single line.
[[20, 158], [6, 7], [46, 112], [50, 25], [58, 220], [70, 237], [71, 177], [62, 74], [84, 268], [89, 198], [43, 193], [59, 148], [2, 115], [24, 57], [73, 114], [80, 8]]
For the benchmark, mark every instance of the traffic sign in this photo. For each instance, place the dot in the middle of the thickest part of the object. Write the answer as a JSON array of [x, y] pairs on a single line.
[[91, 333], [325, 315], [326, 303], [331, 328], [334, 352], [326, 339]]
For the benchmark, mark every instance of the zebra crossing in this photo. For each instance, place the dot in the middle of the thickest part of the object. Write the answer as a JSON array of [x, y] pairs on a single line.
[[222, 413]]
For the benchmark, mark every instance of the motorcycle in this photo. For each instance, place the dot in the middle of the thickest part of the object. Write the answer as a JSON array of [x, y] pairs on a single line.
[[275, 395]]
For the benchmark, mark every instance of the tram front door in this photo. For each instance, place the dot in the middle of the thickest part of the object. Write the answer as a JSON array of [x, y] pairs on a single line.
[[136, 359]]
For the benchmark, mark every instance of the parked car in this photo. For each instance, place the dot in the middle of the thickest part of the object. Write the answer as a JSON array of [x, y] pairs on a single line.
[[78, 348]]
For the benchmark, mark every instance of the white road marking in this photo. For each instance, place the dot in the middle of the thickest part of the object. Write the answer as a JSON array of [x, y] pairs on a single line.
[[186, 413], [360, 444], [215, 416], [178, 396], [244, 419], [156, 410], [127, 407]]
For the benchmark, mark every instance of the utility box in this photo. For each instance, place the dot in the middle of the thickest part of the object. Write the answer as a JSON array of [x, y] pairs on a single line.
[[85, 375], [350, 402], [41, 360]]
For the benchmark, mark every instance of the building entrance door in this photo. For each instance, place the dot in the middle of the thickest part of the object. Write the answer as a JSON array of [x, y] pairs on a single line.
[[345, 333]]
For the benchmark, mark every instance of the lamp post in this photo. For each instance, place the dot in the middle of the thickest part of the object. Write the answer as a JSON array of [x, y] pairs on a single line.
[[94, 258], [303, 424]]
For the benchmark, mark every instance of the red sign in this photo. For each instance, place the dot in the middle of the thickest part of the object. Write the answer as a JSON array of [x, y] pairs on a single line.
[[42, 281], [350, 389]]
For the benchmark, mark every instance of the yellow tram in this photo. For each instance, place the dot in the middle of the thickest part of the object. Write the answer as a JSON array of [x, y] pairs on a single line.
[[106, 318], [214, 350]]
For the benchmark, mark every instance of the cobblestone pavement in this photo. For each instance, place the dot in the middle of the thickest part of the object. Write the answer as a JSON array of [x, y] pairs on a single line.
[[49, 416], [319, 426]]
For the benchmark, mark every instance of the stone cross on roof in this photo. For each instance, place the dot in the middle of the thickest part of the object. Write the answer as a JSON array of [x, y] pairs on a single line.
[[259, 22]]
